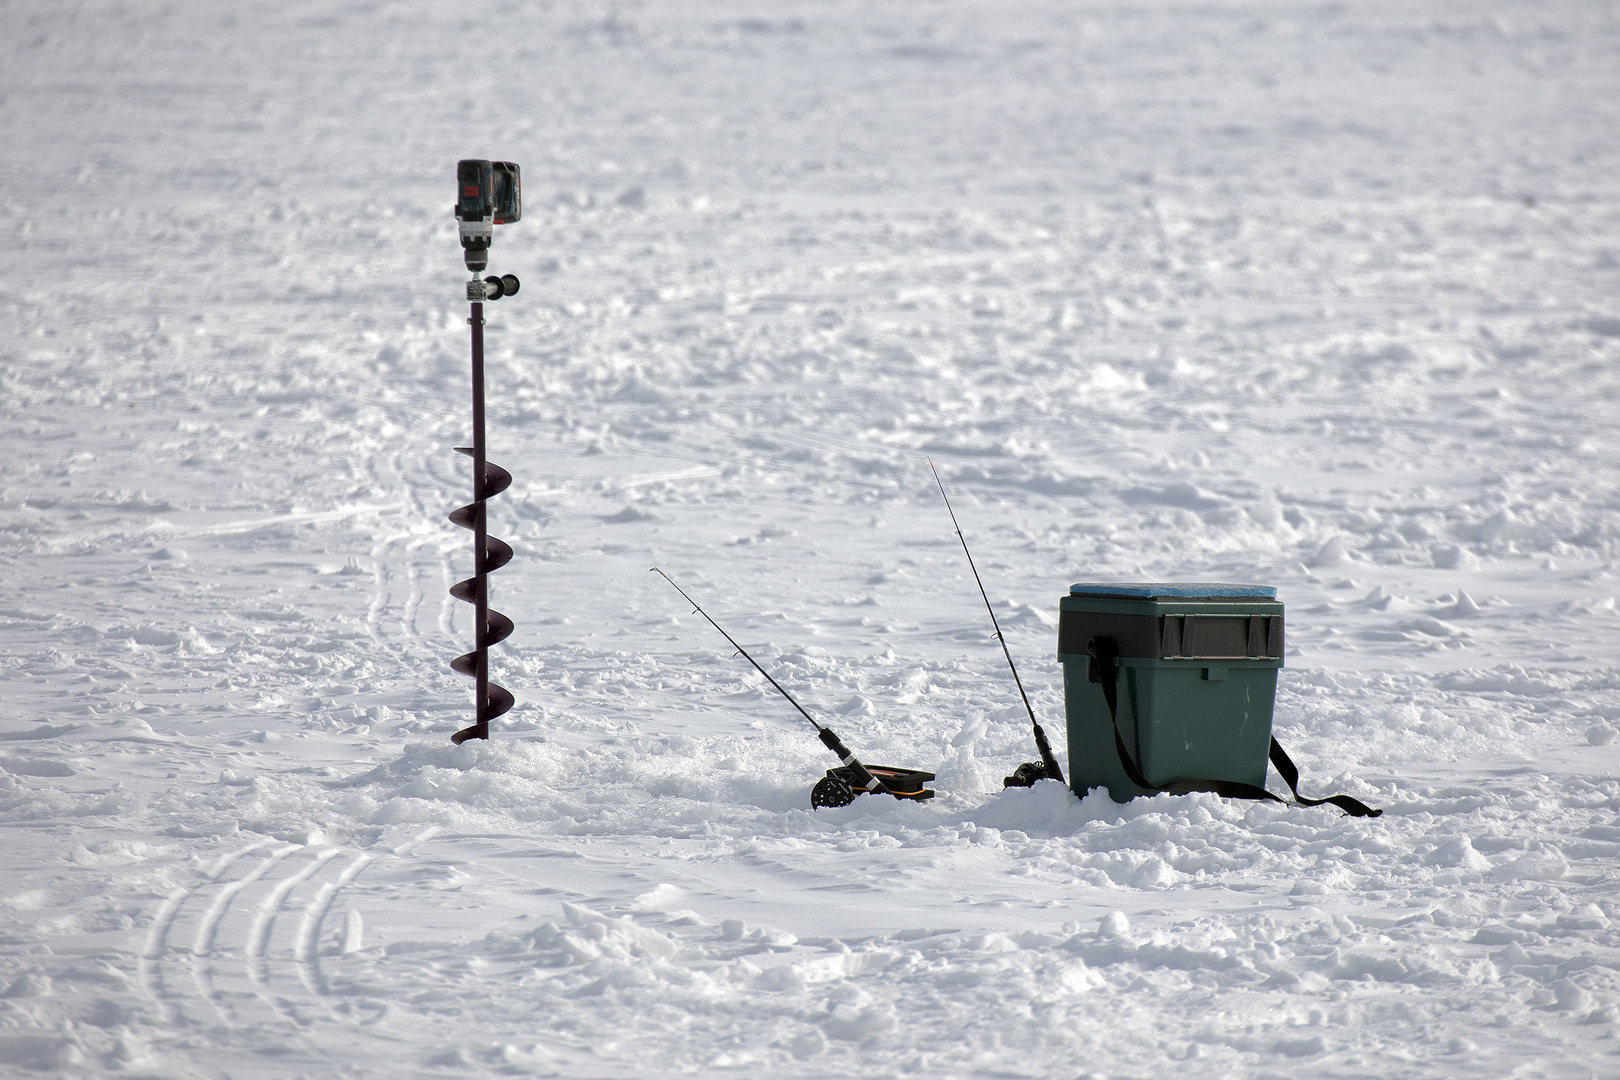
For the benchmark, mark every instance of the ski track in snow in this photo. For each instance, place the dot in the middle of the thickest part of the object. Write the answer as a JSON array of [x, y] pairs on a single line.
[[1314, 295]]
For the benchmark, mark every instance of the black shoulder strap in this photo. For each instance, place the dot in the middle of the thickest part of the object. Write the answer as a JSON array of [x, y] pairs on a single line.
[[1290, 773], [1105, 651]]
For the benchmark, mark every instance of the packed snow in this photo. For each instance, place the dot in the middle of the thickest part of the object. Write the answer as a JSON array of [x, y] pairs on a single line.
[[1316, 295]]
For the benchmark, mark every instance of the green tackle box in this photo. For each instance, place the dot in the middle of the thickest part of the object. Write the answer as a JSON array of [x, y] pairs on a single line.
[[1196, 679]]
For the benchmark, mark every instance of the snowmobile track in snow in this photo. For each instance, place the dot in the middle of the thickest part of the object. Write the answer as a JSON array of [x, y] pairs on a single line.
[[243, 943]]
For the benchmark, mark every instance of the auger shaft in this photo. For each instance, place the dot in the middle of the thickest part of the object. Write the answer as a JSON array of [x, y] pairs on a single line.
[[480, 529], [489, 699]]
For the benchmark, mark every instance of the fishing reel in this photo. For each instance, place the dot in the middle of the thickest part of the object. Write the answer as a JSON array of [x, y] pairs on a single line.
[[488, 194], [1027, 774], [840, 786]]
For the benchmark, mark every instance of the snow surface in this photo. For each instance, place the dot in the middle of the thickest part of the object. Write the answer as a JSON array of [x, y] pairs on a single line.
[[1314, 295]]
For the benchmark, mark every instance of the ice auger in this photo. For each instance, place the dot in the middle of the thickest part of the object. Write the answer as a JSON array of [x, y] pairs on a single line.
[[487, 194]]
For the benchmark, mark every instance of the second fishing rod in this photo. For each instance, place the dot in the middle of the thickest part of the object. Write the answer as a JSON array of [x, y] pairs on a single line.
[[1029, 772]]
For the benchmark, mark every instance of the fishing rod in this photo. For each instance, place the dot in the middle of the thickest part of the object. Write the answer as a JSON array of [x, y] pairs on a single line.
[[1030, 771], [840, 786]]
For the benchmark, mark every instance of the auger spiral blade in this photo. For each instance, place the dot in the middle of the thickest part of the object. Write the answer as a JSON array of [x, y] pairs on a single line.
[[490, 627]]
